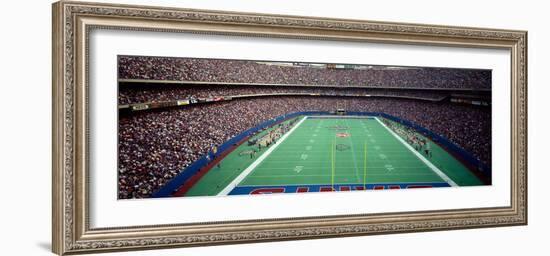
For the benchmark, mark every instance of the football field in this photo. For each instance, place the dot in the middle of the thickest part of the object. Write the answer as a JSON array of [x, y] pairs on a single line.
[[327, 153]]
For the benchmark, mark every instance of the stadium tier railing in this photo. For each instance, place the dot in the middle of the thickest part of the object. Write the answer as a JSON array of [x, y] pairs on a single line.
[[185, 102]]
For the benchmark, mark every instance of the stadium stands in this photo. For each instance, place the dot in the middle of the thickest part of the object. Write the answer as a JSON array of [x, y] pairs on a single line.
[[154, 146], [157, 144], [242, 71]]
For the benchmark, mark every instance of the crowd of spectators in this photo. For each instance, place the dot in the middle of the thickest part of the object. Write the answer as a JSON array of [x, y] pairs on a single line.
[[245, 71], [154, 146], [141, 93]]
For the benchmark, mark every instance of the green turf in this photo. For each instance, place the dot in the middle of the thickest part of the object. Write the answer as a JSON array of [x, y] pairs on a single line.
[[314, 154]]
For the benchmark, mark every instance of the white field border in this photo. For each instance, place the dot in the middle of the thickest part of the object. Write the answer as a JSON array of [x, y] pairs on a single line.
[[421, 157], [253, 166]]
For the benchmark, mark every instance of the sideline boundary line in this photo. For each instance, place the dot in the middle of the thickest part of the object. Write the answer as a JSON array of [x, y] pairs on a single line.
[[420, 156], [253, 166]]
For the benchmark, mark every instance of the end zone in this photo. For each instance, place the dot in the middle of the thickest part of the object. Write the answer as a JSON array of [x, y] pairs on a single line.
[[262, 190]]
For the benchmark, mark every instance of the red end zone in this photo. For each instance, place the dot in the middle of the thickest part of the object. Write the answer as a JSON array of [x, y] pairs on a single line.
[[262, 190]]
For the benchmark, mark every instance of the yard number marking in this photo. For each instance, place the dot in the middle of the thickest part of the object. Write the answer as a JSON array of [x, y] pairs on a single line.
[[298, 168]]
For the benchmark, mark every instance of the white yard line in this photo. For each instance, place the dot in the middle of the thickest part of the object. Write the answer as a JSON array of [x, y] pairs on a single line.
[[251, 167], [421, 157]]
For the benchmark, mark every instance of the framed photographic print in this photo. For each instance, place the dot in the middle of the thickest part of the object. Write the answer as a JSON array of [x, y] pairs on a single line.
[[178, 127]]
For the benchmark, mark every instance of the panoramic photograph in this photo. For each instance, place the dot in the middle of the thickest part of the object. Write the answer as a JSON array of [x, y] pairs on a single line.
[[217, 127]]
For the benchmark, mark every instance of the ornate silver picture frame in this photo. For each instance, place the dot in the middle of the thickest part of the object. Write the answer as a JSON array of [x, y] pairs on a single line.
[[72, 202]]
